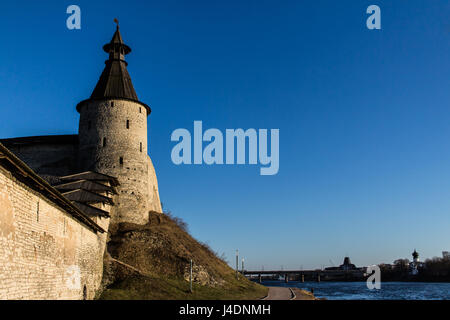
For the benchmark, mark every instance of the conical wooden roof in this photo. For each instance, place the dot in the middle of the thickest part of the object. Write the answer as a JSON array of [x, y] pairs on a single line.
[[115, 81]]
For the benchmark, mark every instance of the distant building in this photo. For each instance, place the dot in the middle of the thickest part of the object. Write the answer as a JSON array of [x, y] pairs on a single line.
[[445, 254], [346, 265], [415, 265], [415, 255]]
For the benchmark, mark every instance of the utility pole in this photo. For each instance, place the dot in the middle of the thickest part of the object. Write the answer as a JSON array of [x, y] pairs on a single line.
[[237, 264], [190, 279], [242, 265]]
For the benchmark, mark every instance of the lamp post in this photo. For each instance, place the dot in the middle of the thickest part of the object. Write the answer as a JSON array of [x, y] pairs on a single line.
[[190, 279], [237, 264]]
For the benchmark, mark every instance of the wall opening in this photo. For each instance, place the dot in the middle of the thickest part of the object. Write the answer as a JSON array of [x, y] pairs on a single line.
[[140, 110], [112, 104], [121, 161], [104, 142], [128, 124], [140, 146], [37, 212], [84, 292]]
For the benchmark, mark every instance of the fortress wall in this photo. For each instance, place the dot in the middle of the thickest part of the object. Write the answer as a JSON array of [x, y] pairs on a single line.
[[42, 246], [48, 158]]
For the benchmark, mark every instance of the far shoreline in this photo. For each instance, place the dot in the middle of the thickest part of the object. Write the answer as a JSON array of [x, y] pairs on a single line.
[[362, 281]]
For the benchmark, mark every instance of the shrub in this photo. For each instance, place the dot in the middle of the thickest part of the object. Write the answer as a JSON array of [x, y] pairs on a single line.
[[178, 221]]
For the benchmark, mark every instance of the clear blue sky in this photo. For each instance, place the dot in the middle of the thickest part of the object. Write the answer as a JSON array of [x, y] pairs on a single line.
[[363, 115]]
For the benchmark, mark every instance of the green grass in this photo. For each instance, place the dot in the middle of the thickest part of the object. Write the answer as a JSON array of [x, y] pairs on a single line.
[[147, 288]]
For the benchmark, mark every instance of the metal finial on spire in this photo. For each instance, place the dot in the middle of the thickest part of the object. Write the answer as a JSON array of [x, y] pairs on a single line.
[[117, 22]]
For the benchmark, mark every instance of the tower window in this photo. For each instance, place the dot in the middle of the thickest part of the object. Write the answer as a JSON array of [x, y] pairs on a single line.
[[121, 160], [104, 142], [128, 124], [140, 110], [112, 104], [140, 146]]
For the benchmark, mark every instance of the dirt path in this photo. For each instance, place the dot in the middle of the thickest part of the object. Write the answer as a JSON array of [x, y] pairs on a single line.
[[279, 293], [282, 293]]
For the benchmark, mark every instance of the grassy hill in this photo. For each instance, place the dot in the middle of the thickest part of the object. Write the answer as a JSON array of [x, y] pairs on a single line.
[[152, 262]]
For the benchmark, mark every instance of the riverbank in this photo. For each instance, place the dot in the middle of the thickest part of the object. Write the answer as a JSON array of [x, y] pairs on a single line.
[[301, 294]]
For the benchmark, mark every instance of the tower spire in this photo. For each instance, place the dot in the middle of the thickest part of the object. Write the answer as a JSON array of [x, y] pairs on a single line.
[[115, 81], [116, 48]]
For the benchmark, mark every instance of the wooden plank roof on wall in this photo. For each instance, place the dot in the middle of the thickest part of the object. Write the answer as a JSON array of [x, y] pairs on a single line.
[[19, 169]]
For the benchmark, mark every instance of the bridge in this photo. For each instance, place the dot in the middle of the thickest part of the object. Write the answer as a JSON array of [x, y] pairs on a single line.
[[302, 275]]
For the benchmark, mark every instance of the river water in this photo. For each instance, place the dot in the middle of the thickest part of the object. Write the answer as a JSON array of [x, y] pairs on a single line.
[[359, 290]]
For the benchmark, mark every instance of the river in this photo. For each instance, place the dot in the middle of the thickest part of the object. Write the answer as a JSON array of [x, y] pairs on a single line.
[[359, 290]]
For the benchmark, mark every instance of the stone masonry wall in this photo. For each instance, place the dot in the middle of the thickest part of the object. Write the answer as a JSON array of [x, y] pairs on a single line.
[[48, 159], [42, 247]]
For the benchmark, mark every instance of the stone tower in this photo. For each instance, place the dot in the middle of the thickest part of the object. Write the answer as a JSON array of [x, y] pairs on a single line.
[[113, 138]]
